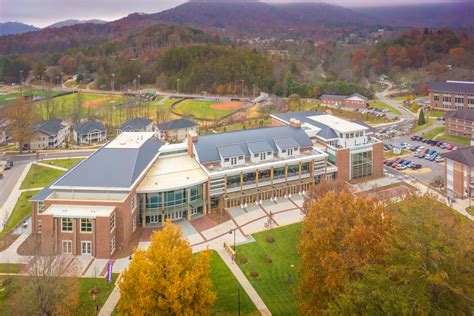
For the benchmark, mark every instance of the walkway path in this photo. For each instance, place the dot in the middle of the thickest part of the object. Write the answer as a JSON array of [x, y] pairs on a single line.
[[10, 254], [51, 166], [244, 282], [112, 301]]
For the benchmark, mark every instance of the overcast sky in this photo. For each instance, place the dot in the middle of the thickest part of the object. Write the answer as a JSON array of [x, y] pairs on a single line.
[[44, 12]]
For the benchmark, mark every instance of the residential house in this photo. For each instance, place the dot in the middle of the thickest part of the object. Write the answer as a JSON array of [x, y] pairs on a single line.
[[176, 130], [89, 132], [47, 134], [136, 125]]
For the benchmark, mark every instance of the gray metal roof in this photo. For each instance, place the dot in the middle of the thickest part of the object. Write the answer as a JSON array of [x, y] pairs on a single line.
[[260, 146], [135, 124], [89, 126], [325, 132], [451, 86], [111, 167], [286, 142], [464, 156], [207, 147], [49, 127], [42, 195], [176, 124], [461, 114], [333, 97], [230, 151]]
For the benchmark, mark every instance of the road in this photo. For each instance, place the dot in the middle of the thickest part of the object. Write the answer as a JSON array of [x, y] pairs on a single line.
[[11, 176]]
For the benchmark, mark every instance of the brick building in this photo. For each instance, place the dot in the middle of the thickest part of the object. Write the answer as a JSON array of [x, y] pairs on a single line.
[[460, 123], [458, 172], [451, 95], [355, 100]]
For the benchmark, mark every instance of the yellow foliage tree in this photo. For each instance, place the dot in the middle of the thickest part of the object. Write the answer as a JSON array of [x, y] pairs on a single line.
[[166, 279], [340, 234]]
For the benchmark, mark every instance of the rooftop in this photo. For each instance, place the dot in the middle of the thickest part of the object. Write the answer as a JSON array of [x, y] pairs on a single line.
[[49, 127], [452, 86], [464, 156], [114, 166], [462, 114], [176, 124], [171, 173], [89, 126], [337, 123], [79, 211], [210, 147], [135, 123], [130, 140]]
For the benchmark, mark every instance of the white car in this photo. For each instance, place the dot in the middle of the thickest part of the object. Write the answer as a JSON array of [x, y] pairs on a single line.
[[439, 159]]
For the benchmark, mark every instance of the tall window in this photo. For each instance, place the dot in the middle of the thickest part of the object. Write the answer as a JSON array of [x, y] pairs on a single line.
[[112, 245], [66, 225], [134, 223], [134, 202], [40, 207], [112, 222], [86, 225], [67, 246], [361, 165]]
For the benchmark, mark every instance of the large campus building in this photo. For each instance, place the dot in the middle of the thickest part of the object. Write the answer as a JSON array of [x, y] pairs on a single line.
[[459, 172], [137, 179], [460, 123], [451, 95]]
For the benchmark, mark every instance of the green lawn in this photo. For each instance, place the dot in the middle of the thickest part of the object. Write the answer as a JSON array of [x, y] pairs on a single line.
[[433, 132], [455, 139], [85, 306], [225, 286], [11, 267], [272, 283], [63, 163], [39, 177], [426, 125], [383, 105], [21, 210], [200, 109], [437, 113], [14, 95]]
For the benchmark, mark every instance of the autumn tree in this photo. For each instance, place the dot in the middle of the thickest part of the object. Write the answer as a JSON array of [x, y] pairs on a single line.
[[166, 279], [39, 70], [317, 191], [294, 103], [341, 233], [22, 119], [428, 268]]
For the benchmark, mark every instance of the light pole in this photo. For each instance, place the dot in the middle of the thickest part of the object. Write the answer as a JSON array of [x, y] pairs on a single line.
[[177, 86], [242, 91], [62, 80], [21, 82], [238, 298], [113, 82], [57, 80], [232, 231], [138, 82], [253, 90]]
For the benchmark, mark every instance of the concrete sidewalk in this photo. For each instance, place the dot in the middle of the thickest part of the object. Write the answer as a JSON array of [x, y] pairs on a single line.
[[51, 166], [244, 282]]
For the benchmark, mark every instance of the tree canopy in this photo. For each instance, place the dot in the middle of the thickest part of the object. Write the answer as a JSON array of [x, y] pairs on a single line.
[[166, 279]]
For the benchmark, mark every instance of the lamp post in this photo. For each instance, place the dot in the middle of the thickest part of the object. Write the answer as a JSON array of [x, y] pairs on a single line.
[[238, 298], [290, 278], [232, 231], [21, 82], [138, 82], [242, 91], [177, 86], [113, 82]]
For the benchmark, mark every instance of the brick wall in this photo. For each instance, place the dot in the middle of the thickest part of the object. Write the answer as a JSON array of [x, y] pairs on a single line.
[[377, 159], [342, 163]]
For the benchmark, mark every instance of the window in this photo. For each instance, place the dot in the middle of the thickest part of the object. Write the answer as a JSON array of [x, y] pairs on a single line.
[[86, 247], [436, 97], [112, 222], [226, 160], [459, 100], [134, 202], [67, 246], [290, 151], [263, 156], [112, 245], [233, 160], [134, 223], [86, 225], [255, 155], [39, 226], [66, 224], [361, 165], [40, 207], [446, 99]]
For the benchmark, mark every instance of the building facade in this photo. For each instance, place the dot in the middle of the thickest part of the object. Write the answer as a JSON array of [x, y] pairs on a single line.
[[89, 132], [451, 95], [47, 134], [136, 125], [350, 146], [458, 172], [355, 101], [176, 130], [460, 123]]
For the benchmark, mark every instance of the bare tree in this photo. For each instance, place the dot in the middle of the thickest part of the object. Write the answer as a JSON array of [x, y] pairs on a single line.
[[22, 120], [77, 108]]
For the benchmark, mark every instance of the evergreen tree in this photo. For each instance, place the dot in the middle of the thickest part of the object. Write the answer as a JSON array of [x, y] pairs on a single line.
[[421, 118]]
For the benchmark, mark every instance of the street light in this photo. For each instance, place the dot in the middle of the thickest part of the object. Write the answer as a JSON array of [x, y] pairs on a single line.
[[242, 92], [232, 231], [113, 82], [138, 82], [177, 86]]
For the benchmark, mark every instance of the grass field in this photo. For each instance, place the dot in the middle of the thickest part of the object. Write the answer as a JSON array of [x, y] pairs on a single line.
[[11, 267], [426, 125], [63, 163], [85, 306], [433, 132], [201, 109], [225, 286], [21, 210], [383, 105], [39, 177], [272, 283], [36, 92], [455, 139], [437, 113]]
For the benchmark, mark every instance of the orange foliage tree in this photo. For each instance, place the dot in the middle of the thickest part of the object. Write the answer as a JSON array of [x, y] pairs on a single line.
[[340, 234], [166, 279], [319, 190]]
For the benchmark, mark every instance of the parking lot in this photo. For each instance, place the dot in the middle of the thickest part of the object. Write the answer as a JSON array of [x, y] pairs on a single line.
[[437, 168]]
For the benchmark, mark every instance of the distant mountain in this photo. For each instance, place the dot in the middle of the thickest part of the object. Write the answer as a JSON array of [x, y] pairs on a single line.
[[8, 28], [74, 22]]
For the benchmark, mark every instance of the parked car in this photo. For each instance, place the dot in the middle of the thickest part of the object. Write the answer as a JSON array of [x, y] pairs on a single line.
[[439, 158], [416, 166], [401, 167], [455, 148], [449, 147], [414, 137], [8, 163]]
